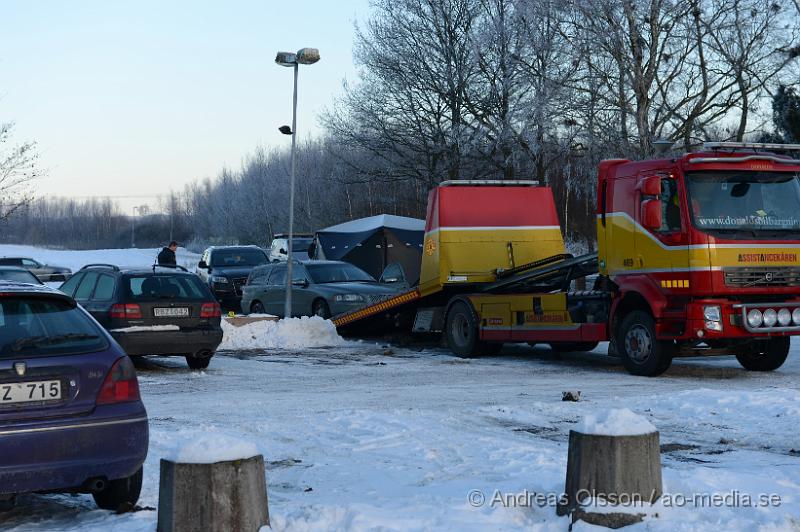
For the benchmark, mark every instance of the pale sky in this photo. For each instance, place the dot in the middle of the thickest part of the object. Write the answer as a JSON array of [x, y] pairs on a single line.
[[140, 97]]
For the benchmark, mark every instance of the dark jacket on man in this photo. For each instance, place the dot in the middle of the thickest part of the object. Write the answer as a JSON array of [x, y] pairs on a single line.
[[167, 258]]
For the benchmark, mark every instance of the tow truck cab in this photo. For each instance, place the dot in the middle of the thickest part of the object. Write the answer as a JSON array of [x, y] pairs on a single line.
[[708, 244]]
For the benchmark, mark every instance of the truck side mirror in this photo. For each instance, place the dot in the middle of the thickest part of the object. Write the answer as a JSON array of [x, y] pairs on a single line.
[[202, 264], [651, 215], [650, 186]]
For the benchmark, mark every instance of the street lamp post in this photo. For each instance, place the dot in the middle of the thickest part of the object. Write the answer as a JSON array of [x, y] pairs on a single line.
[[304, 56], [133, 228]]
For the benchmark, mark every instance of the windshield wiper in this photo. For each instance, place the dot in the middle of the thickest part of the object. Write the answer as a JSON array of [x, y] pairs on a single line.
[[32, 341]]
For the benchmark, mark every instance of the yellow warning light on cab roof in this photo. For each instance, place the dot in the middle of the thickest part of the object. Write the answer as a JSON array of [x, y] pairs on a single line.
[[675, 283]]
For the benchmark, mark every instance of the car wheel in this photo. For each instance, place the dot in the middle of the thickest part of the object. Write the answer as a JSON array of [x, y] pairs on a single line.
[[321, 309], [195, 362], [257, 308], [119, 492], [642, 354], [769, 356]]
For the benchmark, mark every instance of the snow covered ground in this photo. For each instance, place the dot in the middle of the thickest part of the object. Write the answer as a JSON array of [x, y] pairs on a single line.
[[361, 436], [75, 259]]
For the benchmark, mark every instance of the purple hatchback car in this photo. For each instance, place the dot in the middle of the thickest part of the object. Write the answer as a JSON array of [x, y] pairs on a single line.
[[71, 419]]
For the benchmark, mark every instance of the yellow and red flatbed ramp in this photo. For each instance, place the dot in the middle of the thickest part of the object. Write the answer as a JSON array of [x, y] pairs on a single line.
[[377, 308]]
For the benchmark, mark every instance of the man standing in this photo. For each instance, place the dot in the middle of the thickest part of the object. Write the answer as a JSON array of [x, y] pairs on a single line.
[[167, 255]]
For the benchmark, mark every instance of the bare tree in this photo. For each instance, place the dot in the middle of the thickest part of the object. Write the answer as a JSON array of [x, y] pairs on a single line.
[[17, 172]]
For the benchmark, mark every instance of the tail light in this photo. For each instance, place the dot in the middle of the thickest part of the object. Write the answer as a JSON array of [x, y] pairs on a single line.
[[120, 385], [128, 311], [210, 310]]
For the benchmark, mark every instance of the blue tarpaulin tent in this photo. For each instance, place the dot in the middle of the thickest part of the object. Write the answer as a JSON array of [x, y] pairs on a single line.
[[374, 243]]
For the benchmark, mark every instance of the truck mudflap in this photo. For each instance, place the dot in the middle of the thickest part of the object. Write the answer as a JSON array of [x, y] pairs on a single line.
[[371, 310]]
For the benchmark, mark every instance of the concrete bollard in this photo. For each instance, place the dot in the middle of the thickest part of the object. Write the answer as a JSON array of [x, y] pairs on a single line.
[[621, 469], [228, 496]]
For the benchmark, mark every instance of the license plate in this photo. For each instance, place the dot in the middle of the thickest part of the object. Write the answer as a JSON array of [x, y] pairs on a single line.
[[177, 312], [24, 392]]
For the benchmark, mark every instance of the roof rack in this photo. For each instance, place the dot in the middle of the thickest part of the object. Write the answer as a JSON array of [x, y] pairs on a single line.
[[492, 182], [169, 267], [101, 265], [773, 146]]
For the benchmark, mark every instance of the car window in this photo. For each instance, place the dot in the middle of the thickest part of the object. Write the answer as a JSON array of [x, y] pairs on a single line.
[[22, 276], [30, 263], [69, 286], [393, 274], [104, 289], [337, 273], [237, 257], [301, 244], [11, 262], [84, 290], [278, 276], [35, 326], [177, 287], [259, 276]]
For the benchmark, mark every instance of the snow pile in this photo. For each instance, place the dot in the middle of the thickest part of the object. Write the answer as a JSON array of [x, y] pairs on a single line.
[[615, 422], [211, 448], [292, 333], [144, 328]]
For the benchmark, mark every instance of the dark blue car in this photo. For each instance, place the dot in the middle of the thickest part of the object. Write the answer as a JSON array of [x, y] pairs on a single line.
[[71, 418]]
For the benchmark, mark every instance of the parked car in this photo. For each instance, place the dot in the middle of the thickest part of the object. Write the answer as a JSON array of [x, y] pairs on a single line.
[[225, 269], [300, 244], [43, 272], [319, 287], [152, 311], [21, 275], [71, 419]]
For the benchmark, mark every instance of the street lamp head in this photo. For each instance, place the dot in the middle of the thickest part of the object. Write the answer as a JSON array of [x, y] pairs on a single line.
[[307, 56], [287, 59], [286, 130]]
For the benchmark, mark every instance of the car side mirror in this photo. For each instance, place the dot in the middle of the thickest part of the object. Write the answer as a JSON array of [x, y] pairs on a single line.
[[202, 264], [300, 282], [651, 215], [391, 280], [282, 251], [650, 186]]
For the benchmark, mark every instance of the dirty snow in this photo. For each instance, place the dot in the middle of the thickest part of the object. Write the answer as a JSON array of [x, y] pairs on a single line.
[[615, 422], [292, 333], [360, 437]]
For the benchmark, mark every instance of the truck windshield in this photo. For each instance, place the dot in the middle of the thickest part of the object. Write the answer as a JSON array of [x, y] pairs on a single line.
[[750, 202]]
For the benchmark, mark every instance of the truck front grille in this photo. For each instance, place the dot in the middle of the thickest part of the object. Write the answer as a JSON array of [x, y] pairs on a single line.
[[760, 276]]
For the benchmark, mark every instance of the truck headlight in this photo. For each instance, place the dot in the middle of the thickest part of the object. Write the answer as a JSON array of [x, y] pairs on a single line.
[[712, 313], [770, 317], [218, 279], [784, 317], [755, 318], [349, 298]]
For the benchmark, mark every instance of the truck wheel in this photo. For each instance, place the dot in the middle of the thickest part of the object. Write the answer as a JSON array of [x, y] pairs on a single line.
[[572, 347], [120, 491], [461, 332], [641, 353], [770, 355]]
